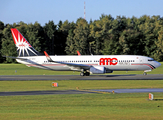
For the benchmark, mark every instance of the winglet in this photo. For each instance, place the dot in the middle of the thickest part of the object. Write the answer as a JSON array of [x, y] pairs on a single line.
[[48, 57], [78, 53]]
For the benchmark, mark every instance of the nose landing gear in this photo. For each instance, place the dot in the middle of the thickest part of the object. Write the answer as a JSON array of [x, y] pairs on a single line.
[[144, 73]]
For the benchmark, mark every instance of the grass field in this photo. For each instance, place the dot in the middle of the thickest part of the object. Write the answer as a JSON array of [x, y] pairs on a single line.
[[85, 106], [78, 106], [20, 69], [82, 84]]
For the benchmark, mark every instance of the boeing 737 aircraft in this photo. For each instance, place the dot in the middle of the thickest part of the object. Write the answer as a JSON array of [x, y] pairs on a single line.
[[87, 64]]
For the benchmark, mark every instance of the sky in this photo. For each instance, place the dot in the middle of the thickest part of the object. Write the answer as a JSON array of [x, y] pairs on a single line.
[[43, 11]]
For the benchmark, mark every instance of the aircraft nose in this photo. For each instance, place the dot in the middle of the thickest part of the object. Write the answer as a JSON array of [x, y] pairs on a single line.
[[158, 64]]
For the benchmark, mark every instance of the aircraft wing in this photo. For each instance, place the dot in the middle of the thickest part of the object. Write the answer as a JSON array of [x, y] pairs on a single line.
[[73, 66]]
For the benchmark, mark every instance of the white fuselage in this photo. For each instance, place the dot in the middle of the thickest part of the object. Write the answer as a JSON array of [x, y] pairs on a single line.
[[110, 62]]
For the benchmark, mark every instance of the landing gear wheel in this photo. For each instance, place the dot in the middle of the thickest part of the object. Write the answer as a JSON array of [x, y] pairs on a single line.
[[87, 73], [82, 74], [144, 73]]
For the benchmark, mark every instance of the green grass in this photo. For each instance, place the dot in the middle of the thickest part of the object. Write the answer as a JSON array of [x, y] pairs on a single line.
[[81, 106], [93, 106], [20, 69], [82, 84]]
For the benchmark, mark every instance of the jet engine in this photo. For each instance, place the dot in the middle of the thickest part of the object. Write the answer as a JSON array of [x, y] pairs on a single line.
[[97, 70]]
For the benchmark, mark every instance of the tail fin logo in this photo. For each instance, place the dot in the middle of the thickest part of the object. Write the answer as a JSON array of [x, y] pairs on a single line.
[[23, 47]]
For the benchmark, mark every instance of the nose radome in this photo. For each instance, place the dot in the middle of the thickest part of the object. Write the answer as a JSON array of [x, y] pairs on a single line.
[[158, 64]]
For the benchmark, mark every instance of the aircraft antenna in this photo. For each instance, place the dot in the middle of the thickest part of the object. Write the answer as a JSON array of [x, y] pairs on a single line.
[[84, 9]]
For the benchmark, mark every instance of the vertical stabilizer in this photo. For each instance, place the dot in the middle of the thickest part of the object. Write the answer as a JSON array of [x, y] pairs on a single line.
[[22, 45]]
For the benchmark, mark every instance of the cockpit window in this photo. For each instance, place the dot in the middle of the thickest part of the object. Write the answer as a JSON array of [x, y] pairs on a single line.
[[151, 60]]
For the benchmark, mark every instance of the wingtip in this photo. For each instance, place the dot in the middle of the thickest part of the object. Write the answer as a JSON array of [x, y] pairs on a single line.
[[78, 53], [46, 54], [48, 57]]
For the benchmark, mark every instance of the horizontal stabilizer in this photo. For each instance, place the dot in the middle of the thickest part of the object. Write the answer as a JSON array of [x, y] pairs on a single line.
[[15, 57]]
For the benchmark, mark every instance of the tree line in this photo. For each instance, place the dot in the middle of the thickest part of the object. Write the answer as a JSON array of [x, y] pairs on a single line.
[[105, 36]]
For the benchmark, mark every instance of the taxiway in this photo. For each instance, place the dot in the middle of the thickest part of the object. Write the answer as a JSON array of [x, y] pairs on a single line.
[[51, 92], [55, 92], [77, 77]]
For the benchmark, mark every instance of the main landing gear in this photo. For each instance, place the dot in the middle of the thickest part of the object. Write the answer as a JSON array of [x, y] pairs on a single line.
[[144, 73], [84, 74]]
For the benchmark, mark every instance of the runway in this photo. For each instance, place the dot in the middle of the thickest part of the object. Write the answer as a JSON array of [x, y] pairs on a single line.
[[77, 77], [56, 92]]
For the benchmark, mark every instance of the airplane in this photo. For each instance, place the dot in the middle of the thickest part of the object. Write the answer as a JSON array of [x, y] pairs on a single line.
[[78, 53], [86, 64]]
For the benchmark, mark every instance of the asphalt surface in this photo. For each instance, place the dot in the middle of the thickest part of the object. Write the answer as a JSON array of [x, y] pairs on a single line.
[[55, 92], [132, 90], [52, 92], [77, 77]]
